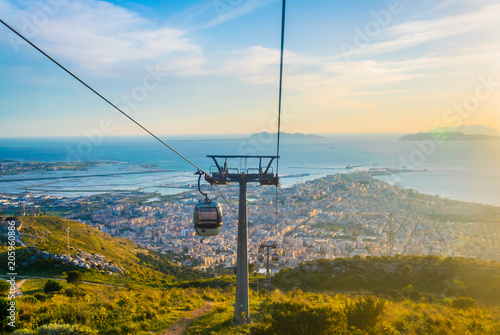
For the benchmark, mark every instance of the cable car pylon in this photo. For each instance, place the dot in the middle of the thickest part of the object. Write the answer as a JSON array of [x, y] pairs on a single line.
[[275, 256], [264, 175]]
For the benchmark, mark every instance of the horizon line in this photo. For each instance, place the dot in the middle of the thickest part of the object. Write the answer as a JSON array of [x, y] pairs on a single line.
[[198, 135]]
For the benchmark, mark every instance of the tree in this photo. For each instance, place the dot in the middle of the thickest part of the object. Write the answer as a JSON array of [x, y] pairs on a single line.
[[4, 312], [74, 277], [251, 268], [52, 286], [4, 287], [364, 313], [407, 271], [464, 303]]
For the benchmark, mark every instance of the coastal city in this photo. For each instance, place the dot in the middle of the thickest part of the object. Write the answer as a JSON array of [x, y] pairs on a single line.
[[341, 215]]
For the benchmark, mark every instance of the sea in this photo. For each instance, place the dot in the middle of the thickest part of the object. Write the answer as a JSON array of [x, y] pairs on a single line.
[[462, 170]]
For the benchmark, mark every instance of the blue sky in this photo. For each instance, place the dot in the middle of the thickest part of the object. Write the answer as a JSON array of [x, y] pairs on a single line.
[[209, 67]]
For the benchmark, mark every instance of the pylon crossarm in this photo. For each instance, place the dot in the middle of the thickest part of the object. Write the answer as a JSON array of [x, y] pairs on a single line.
[[224, 176], [269, 165]]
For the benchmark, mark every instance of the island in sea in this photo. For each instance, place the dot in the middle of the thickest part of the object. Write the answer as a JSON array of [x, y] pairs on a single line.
[[460, 133], [283, 135]]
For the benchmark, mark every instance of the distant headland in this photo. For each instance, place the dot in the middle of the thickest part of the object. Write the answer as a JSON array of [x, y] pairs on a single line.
[[460, 133], [448, 136]]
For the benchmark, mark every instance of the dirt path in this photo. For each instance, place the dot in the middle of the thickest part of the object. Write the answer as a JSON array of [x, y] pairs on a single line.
[[63, 279], [18, 287], [180, 326]]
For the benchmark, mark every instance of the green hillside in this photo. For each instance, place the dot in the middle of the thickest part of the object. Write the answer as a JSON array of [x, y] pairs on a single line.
[[372, 295], [49, 234], [81, 236], [450, 276]]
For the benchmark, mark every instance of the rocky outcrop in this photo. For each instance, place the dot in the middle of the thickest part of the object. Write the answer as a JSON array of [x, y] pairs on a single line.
[[80, 259]]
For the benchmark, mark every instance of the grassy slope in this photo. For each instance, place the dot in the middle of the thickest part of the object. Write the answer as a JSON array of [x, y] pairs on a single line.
[[153, 309], [122, 310], [83, 237], [450, 276], [119, 251], [108, 309]]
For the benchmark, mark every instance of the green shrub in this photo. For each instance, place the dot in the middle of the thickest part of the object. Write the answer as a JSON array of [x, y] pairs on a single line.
[[29, 299], [464, 303], [406, 270], [23, 332], [290, 317], [380, 292], [40, 297], [74, 277], [447, 301], [4, 312], [4, 287], [364, 313], [65, 329], [393, 294], [415, 296], [52, 286], [74, 292]]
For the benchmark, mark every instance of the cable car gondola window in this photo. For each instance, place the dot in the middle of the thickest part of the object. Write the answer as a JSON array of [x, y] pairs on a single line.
[[275, 257], [207, 214]]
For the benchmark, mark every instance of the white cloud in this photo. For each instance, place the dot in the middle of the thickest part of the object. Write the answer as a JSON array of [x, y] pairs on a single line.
[[327, 81], [211, 13], [255, 65], [457, 46], [226, 12], [483, 22], [322, 81], [104, 37]]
